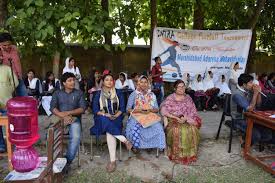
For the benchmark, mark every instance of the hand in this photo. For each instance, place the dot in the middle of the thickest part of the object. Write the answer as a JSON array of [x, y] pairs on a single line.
[[250, 108], [64, 114], [256, 88], [145, 111], [68, 120], [183, 119]]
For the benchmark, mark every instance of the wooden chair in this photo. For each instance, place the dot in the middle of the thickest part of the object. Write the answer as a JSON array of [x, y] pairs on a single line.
[[4, 122], [54, 151]]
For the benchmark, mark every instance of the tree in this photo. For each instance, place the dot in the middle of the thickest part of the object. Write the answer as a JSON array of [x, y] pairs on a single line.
[[198, 22], [153, 11], [3, 13]]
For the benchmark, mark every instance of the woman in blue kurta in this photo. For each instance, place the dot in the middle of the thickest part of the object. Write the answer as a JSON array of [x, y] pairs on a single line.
[[108, 108], [144, 102]]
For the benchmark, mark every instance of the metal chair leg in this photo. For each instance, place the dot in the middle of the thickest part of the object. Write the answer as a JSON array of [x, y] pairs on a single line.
[[129, 154], [157, 153], [78, 158], [92, 154], [120, 151], [218, 133], [231, 136]]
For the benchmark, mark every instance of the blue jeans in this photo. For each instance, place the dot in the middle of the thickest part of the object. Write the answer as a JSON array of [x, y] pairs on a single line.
[[2, 141], [21, 89], [74, 140], [160, 96]]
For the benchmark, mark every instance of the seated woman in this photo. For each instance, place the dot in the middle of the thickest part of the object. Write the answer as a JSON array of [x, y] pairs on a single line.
[[133, 81], [199, 95], [262, 82], [211, 92], [96, 84], [182, 125], [122, 81], [233, 76], [122, 84], [143, 107], [270, 83], [33, 84], [49, 86], [108, 108], [187, 80], [223, 86]]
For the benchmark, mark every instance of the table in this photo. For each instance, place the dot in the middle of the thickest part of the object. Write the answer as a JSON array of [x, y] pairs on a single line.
[[261, 118], [4, 122]]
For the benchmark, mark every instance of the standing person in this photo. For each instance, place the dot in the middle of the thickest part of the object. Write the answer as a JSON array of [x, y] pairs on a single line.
[[68, 104], [70, 67], [182, 127], [157, 79], [247, 97], [7, 83], [33, 84], [49, 85], [233, 75], [10, 55], [108, 107], [142, 103]]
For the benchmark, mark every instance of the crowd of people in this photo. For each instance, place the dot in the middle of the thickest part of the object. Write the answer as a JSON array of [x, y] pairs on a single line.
[[154, 120]]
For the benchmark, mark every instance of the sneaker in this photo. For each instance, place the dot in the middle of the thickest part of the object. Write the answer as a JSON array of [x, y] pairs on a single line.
[[67, 168]]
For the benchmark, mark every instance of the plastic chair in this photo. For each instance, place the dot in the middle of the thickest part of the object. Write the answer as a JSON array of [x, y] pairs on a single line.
[[227, 112]]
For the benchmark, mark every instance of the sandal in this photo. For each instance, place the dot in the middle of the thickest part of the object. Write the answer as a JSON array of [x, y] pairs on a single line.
[[128, 145], [111, 167]]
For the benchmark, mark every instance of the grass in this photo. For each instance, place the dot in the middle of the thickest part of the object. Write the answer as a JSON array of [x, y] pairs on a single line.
[[237, 173]]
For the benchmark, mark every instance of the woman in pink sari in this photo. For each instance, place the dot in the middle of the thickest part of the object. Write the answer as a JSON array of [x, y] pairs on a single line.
[[182, 125]]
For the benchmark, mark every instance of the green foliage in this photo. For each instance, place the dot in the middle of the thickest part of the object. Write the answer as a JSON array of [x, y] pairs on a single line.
[[50, 23]]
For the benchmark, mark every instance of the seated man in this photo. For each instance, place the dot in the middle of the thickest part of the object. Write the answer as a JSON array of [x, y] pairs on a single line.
[[69, 104], [246, 98], [8, 82]]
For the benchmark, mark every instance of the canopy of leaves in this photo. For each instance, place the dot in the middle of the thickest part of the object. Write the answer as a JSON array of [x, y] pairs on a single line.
[[50, 23]]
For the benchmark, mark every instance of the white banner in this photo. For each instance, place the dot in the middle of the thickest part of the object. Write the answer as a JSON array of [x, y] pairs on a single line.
[[198, 51]]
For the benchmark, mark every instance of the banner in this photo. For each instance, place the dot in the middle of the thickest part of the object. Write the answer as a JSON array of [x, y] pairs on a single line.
[[198, 51]]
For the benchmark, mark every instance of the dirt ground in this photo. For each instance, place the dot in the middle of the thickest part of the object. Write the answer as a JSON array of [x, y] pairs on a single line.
[[214, 164]]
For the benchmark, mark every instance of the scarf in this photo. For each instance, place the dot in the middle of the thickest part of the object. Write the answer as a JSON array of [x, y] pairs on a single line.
[[103, 101], [208, 82], [144, 100], [196, 86]]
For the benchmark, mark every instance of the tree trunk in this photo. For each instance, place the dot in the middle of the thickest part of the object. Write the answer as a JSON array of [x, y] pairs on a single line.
[[3, 13], [107, 35], [198, 22], [252, 49], [252, 21], [153, 5], [56, 57]]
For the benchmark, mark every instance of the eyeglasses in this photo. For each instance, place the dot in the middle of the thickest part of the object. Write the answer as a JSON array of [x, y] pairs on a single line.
[[181, 86]]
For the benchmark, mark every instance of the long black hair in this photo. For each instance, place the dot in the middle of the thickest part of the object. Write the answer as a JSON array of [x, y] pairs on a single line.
[[48, 81]]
